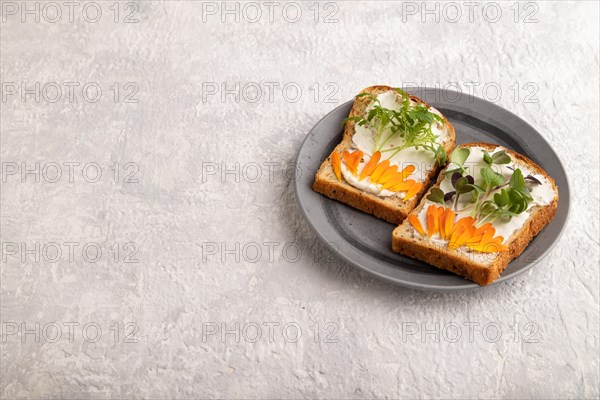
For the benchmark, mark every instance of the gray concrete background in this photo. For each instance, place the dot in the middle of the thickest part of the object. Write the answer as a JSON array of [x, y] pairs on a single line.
[[218, 288]]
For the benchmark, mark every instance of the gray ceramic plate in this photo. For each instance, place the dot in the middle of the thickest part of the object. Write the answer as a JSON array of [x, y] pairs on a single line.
[[365, 241]]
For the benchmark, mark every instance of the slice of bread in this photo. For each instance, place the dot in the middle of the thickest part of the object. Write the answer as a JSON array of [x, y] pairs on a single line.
[[392, 208], [480, 267]]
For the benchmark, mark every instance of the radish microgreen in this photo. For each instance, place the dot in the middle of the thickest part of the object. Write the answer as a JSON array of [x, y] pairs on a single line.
[[490, 198], [459, 157]]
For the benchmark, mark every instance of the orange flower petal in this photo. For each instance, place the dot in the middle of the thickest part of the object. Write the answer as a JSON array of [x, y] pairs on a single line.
[[347, 156], [463, 222], [488, 234], [475, 239], [414, 221], [429, 219], [403, 186], [432, 221], [397, 179], [491, 247], [413, 190], [381, 167], [464, 232], [442, 221], [370, 167], [456, 233], [358, 155], [352, 160], [388, 174], [336, 164], [483, 228], [406, 172], [465, 236], [448, 223]]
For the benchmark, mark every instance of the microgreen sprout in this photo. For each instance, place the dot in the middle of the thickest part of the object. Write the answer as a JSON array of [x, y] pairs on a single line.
[[492, 197], [412, 122]]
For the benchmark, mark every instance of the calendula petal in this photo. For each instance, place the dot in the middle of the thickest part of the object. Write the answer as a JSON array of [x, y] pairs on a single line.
[[465, 236], [381, 167], [413, 190], [336, 164], [414, 221], [429, 220], [448, 222], [388, 174], [435, 226], [442, 222], [347, 157], [396, 180], [403, 186], [490, 247], [463, 222], [357, 156], [406, 172], [456, 233], [432, 220], [352, 160], [475, 239], [483, 228], [499, 246], [370, 167], [488, 234]]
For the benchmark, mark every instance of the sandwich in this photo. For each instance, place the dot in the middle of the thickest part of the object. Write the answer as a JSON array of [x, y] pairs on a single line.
[[486, 206], [393, 147]]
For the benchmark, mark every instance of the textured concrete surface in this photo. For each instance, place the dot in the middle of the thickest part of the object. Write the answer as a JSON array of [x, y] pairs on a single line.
[[218, 288]]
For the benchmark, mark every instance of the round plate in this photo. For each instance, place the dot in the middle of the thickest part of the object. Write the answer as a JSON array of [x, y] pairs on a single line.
[[365, 241]]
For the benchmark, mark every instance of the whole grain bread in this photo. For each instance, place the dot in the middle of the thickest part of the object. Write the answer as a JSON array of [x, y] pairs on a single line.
[[406, 241], [392, 209]]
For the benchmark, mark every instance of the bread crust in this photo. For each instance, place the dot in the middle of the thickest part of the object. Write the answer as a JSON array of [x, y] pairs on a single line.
[[391, 209], [404, 241]]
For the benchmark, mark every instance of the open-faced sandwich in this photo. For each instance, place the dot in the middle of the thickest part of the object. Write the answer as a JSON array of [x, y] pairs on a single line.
[[393, 146], [486, 206]]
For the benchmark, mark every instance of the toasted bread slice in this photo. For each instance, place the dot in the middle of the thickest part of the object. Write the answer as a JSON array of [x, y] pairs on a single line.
[[391, 207], [480, 267]]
